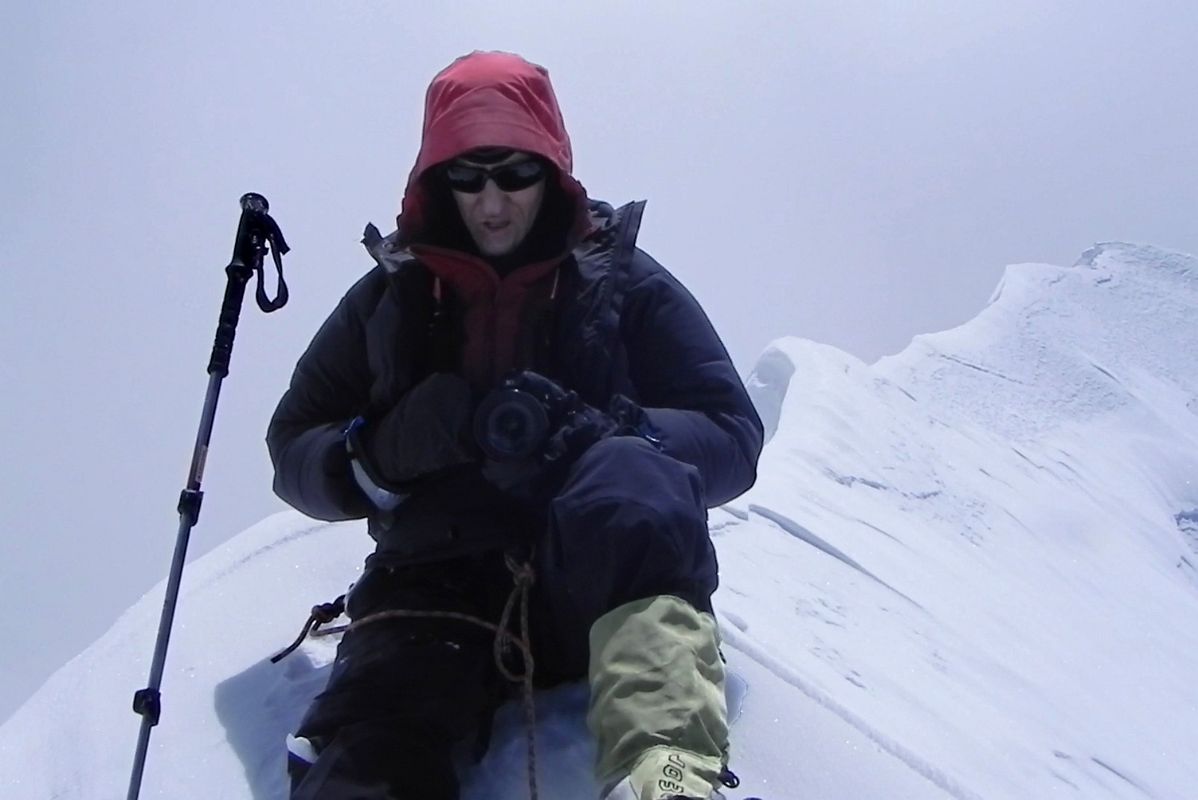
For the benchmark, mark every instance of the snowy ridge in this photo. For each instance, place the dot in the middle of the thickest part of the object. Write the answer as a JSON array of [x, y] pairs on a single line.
[[1028, 479], [966, 571]]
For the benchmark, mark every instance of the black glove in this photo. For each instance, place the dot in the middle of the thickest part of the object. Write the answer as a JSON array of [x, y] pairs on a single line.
[[571, 427], [428, 432]]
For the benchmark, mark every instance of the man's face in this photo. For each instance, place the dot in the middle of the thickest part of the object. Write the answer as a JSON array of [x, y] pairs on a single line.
[[499, 220]]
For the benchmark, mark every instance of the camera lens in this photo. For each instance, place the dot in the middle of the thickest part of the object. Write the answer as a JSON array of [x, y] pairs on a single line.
[[510, 425]]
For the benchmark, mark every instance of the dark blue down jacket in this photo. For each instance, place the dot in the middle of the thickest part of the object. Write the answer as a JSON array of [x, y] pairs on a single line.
[[623, 324]]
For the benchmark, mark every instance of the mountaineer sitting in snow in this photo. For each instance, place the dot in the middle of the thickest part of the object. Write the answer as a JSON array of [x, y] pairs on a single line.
[[525, 407]]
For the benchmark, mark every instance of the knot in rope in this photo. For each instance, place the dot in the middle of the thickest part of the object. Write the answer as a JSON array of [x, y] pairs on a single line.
[[523, 577]]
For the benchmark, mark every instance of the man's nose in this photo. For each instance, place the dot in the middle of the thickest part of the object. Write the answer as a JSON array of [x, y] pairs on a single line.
[[492, 199]]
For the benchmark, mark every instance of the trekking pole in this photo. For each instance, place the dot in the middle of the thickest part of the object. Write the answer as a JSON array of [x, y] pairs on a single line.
[[256, 232]]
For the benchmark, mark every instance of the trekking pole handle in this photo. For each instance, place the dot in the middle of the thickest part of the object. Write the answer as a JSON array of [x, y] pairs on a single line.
[[255, 231]]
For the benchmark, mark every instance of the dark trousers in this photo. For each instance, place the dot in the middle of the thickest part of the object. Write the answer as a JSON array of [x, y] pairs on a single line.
[[405, 695]]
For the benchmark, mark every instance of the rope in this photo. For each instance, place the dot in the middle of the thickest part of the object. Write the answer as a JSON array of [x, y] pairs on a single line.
[[322, 614], [523, 577]]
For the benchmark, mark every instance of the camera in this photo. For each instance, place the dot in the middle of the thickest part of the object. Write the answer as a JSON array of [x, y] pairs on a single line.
[[515, 420]]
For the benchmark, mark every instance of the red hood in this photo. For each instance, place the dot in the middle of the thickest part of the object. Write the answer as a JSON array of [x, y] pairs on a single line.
[[489, 99]]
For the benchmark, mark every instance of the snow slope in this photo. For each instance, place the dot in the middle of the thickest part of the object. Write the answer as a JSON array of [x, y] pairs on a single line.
[[966, 571]]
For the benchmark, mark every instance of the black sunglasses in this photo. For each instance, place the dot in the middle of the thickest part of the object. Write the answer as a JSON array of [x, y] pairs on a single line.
[[509, 177]]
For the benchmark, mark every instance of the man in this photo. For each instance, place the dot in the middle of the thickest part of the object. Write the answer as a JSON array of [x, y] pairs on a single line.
[[516, 383]]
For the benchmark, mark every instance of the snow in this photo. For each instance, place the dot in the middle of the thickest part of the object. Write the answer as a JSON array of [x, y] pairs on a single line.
[[966, 571]]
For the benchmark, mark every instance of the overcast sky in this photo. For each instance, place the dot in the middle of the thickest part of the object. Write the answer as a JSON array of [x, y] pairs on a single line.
[[851, 172]]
